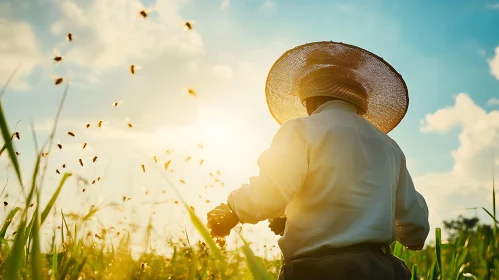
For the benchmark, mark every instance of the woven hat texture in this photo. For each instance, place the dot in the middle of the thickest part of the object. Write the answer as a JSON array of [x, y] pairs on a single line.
[[338, 70]]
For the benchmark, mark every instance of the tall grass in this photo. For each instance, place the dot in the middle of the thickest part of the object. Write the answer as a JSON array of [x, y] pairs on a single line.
[[472, 255]]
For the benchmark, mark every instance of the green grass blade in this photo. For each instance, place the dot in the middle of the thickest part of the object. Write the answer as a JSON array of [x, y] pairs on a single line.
[[51, 203], [78, 268], [33, 184], [65, 269], [193, 272], [256, 267], [438, 244], [415, 272], [8, 221], [494, 200], [6, 135], [397, 249], [490, 214], [54, 259], [36, 256], [16, 258], [8, 81], [197, 223], [204, 233], [52, 133]]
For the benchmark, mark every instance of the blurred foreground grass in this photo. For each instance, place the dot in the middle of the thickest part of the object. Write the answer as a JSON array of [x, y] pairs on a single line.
[[470, 254]]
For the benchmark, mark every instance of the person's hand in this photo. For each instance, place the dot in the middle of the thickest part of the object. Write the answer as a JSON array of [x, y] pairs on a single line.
[[221, 220], [277, 225]]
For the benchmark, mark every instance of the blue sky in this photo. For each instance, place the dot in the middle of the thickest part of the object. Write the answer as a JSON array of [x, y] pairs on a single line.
[[446, 52]]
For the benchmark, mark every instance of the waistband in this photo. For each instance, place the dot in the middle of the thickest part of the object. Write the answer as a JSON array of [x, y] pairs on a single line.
[[383, 248]]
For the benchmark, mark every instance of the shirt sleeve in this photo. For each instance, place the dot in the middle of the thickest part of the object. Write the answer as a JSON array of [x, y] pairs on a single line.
[[283, 168], [411, 212]]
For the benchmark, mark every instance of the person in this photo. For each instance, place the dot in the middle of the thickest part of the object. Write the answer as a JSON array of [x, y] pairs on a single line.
[[332, 171]]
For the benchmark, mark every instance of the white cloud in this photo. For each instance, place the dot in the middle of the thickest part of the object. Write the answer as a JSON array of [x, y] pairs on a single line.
[[478, 138], [493, 6], [109, 34], [20, 48], [493, 101], [464, 113], [225, 4], [494, 64], [224, 71], [468, 183], [268, 5]]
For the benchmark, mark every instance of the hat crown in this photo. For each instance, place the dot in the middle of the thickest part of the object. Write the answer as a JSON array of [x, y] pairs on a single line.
[[342, 59], [347, 69]]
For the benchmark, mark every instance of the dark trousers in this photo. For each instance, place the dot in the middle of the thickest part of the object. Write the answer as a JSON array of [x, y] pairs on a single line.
[[350, 265]]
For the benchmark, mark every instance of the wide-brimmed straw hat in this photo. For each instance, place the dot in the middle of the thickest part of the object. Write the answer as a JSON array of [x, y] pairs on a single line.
[[353, 74]]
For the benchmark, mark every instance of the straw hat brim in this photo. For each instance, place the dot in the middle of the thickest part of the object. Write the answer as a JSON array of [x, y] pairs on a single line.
[[387, 94]]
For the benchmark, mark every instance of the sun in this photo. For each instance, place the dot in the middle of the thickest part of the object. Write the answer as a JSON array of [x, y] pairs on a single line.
[[217, 131]]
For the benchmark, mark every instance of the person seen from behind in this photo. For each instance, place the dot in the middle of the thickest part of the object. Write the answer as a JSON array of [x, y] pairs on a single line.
[[333, 184]]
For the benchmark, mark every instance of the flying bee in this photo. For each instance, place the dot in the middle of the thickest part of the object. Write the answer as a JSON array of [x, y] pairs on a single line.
[[57, 171], [58, 56], [134, 68], [69, 37], [64, 166], [130, 125], [84, 146], [93, 182], [94, 159], [155, 159], [116, 104], [188, 158], [45, 154], [191, 92], [182, 181], [83, 190], [58, 80], [145, 12], [18, 154], [59, 145], [143, 168], [18, 135], [98, 178], [167, 164], [201, 161], [100, 123], [81, 161], [87, 125], [5, 203], [70, 133], [188, 25]]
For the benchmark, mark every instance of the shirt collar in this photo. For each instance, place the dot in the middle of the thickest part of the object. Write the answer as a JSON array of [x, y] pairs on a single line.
[[336, 104]]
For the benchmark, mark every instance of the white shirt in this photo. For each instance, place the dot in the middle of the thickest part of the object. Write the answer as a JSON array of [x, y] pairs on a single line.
[[339, 180]]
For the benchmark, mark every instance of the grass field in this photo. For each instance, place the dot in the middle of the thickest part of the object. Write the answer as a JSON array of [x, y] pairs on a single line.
[[471, 254]]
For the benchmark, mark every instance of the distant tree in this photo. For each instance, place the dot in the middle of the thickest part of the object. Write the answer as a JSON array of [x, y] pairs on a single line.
[[453, 227]]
